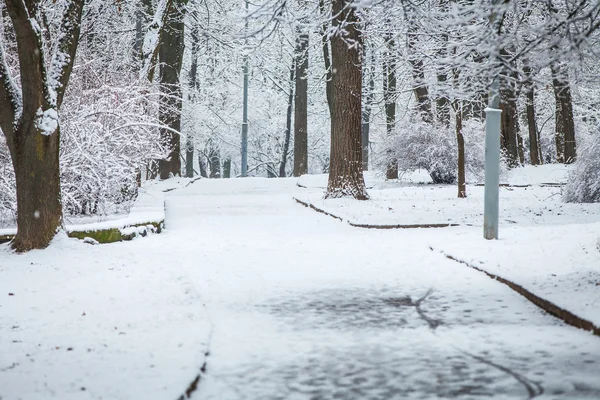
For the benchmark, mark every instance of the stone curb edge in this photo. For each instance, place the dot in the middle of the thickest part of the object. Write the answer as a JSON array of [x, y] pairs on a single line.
[[551, 308]]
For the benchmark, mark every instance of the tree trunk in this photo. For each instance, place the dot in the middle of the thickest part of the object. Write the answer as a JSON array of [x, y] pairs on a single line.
[[509, 126], [345, 170], [301, 104], [565, 126], [193, 83], [418, 73], [389, 97], [460, 139], [171, 58], [215, 164], [288, 123], [535, 153], [325, 44], [29, 120], [227, 168], [366, 117], [202, 166]]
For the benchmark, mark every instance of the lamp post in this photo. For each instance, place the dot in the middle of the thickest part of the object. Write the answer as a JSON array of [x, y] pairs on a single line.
[[492, 150]]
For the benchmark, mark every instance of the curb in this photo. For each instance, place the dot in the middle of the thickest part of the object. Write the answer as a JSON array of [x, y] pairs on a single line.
[[110, 235], [551, 308], [368, 226]]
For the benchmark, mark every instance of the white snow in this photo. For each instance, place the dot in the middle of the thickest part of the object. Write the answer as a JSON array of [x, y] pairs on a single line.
[[291, 304], [47, 121]]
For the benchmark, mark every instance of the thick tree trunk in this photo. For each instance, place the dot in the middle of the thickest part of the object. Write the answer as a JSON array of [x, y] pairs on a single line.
[[39, 207], [535, 153], [288, 123], [389, 98], [171, 58], [345, 170], [29, 120], [565, 126], [301, 104]]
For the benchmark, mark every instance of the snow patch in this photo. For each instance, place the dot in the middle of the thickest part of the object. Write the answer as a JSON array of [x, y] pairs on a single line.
[[47, 121]]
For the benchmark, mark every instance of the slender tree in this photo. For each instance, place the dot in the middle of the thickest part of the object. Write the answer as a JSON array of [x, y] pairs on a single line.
[[300, 105], [29, 118], [345, 170], [288, 123], [170, 56], [389, 97]]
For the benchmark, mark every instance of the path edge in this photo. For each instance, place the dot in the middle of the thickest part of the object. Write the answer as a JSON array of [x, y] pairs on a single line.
[[546, 305]]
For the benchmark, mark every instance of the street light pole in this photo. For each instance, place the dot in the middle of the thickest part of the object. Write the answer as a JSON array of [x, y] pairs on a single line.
[[245, 107], [492, 152]]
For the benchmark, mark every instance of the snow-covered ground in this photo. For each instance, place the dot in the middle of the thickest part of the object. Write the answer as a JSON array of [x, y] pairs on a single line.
[[406, 203], [291, 304]]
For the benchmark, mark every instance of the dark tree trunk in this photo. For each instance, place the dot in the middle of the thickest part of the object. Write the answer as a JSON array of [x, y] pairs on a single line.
[[227, 168], [214, 159], [345, 170], [565, 126], [32, 132], [508, 106], [171, 58], [288, 123], [417, 68], [301, 104], [202, 166], [366, 117], [325, 44], [389, 98], [535, 153], [460, 139], [193, 83]]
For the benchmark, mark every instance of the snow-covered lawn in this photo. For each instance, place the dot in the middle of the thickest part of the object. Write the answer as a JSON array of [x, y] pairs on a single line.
[[290, 304], [407, 203]]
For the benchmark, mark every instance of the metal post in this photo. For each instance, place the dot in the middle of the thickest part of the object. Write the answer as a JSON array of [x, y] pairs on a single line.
[[245, 112], [492, 164]]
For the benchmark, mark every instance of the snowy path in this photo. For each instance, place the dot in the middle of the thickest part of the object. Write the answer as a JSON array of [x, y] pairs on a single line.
[[298, 306], [305, 307]]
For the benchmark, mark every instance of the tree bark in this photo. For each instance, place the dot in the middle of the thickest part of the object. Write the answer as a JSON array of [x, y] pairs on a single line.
[[460, 139], [389, 97], [29, 120], [535, 153], [288, 123], [214, 159], [417, 68], [366, 117], [301, 104], [509, 126], [325, 47], [565, 125], [171, 58], [345, 171]]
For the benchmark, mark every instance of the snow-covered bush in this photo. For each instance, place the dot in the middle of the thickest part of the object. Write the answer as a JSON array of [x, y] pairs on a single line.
[[417, 145], [584, 179]]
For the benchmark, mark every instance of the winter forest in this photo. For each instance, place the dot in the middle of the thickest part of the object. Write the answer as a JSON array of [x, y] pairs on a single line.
[[216, 121]]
